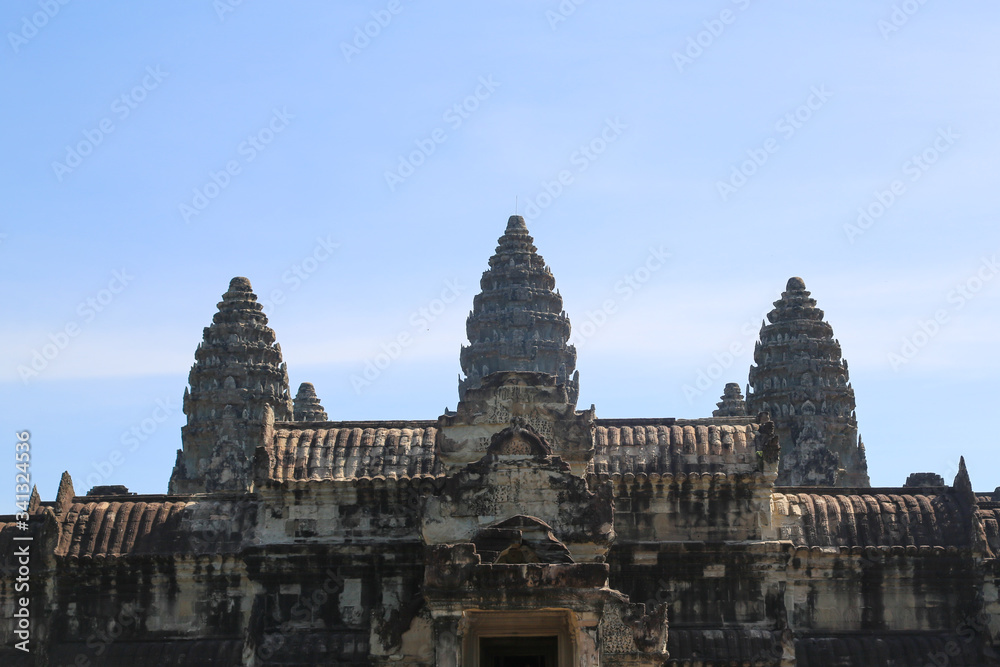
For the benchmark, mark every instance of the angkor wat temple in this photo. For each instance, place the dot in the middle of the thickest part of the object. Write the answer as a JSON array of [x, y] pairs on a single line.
[[516, 530]]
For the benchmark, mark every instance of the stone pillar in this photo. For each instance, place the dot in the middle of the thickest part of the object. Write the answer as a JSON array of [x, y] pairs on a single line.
[[448, 641]]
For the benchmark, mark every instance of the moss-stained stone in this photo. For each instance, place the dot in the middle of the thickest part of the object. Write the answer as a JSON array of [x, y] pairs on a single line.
[[288, 539]]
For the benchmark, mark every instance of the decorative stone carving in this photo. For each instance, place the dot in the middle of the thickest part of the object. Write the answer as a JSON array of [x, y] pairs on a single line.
[[530, 538], [518, 439], [517, 476], [810, 462], [532, 400]]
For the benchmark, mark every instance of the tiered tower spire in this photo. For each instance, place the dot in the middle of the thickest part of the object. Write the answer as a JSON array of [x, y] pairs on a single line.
[[306, 405], [732, 404], [801, 379], [517, 322], [238, 386]]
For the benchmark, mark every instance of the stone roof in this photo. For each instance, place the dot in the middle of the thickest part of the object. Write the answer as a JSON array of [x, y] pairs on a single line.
[[147, 525], [115, 528], [848, 519], [672, 446], [346, 450], [350, 450], [144, 525]]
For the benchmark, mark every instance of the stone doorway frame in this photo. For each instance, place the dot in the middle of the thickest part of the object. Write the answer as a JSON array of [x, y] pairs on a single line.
[[557, 623]]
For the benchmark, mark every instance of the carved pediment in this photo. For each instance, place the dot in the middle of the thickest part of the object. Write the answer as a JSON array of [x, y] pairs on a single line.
[[518, 439], [520, 539]]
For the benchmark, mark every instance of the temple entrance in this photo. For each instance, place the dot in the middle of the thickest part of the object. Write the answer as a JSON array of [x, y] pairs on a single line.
[[519, 652]]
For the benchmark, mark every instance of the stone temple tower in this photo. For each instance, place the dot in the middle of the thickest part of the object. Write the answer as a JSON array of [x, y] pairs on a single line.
[[520, 370], [306, 405], [801, 379], [517, 322], [238, 388], [732, 403]]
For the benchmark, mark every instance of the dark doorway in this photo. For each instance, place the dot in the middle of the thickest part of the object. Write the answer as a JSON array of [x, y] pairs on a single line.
[[519, 652]]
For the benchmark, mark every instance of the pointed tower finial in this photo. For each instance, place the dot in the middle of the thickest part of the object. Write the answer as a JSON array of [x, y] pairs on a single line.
[[962, 483], [515, 223], [35, 501], [238, 285], [65, 494], [795, 284]]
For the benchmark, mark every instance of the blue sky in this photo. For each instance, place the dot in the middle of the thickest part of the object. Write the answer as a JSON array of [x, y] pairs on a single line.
[[153, 152]]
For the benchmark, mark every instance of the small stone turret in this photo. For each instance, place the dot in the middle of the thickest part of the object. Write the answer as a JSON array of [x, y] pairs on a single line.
[[732, 404], [801, 379], [238, 388], [923, 479], [306, 405], [517, 322]]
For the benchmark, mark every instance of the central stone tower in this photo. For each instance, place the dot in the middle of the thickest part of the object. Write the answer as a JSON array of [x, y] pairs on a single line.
[[517, 322], [519, 367]]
